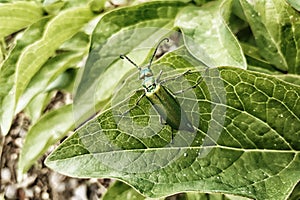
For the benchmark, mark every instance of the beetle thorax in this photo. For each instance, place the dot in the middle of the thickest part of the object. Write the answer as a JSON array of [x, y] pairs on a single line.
[[149, 82]]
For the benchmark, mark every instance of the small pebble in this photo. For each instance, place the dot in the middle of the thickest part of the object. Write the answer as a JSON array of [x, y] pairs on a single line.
[[45, 195], [80, 193], [29, 193], [37, 189], [57, 182], [19, 142], [5, 175], [11, 191]]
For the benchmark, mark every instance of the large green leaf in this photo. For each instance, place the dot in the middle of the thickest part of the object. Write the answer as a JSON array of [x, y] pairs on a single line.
[[25, 62], [246, 140], [36, 107], [208, 37], [58, 30], [72, 55], [275, 26], [61, 121], [8, 70], [49, 129], [18, 15], [119, 190], [122, 191], [132, 29]]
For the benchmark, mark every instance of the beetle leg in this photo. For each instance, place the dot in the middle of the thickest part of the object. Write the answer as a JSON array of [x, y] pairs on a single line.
[[162, 121], [193, 86], [176, 77], [136, 103], [172, 139], [158, 77]]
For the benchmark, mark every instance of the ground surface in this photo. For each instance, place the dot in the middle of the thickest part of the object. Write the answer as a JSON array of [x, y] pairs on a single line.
[[40, 182]]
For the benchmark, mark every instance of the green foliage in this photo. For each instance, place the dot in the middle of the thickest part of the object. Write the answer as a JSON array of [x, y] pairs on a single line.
[[246, 110], [254, 145], [19, 15], [122, 191]]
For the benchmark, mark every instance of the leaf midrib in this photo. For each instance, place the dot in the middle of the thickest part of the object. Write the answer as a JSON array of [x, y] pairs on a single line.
[[196, 148]]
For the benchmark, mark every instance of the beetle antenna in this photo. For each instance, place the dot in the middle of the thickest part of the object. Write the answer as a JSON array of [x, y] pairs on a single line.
[[150, 63], [124, 56]]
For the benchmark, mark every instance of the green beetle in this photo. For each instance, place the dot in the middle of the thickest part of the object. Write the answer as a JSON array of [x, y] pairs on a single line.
[[162, 99]]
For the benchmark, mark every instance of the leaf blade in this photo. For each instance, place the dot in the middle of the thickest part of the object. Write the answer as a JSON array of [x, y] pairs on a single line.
[[8, 71], [20, 67], [208, 37], [103, 62], [47, 131], [20, 15], [273, 24], [252, 145]]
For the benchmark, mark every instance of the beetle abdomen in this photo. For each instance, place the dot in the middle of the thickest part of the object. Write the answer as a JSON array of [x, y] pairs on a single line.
[[168, 107]]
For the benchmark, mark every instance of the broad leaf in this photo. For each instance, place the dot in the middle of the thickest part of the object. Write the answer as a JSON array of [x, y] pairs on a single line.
[[34, 110], [274, 25], [246, 140], [8, 70], [132, 29], [55, 66], [122, 191], [208, 37], [58, 30], [23, 64], [46, 132], [18, 15], [119, 190]]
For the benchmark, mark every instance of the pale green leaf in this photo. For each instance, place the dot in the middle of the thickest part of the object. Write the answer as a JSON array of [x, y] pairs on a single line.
[[53, 6], [56, 6], [8, 70], [208, 37], [37, 105], [61, 28], [74, 51], [64, 81], [18, 15], [46, 75], [23, 64], [246, 141], [133, 29], [275, 26], [122, 191], [47, 131], [199, 196]]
